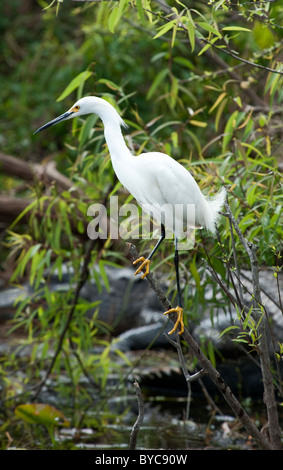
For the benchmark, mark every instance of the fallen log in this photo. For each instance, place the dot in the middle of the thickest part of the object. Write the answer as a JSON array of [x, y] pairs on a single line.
[[30, 172], [11, 208]]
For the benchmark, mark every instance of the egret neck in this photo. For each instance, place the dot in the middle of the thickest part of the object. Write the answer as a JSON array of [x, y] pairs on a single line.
[[121, 156]]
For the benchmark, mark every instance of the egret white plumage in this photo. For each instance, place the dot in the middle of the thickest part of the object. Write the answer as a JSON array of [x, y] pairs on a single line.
[[158, 183]]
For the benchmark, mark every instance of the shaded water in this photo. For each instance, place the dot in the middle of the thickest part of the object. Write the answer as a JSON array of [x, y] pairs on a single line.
[[106, 423], [160, 430], [163, 427]]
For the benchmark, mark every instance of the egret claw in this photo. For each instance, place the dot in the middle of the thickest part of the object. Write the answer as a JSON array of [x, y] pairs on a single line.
[[179, 321], [145, 263]]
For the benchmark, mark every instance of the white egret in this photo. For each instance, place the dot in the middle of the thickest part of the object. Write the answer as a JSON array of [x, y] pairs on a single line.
[[157, 182]]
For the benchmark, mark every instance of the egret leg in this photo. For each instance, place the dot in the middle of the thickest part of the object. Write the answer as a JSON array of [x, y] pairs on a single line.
[[179, 308], [176, 262], [146, 261]]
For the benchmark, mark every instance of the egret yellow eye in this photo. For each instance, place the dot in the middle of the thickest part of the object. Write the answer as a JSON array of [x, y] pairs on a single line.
[[75, 109]]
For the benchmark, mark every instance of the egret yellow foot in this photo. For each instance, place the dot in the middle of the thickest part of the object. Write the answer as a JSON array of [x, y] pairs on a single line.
[[145, 263], [179, 321]]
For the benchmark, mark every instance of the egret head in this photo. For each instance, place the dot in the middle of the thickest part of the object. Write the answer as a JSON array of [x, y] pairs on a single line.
[[86, 105]]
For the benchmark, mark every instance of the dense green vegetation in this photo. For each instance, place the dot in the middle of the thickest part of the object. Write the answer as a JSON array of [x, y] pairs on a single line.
[[201, 81]]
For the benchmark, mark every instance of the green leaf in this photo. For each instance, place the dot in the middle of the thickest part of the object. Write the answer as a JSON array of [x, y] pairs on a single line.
[[235, 28], [116, 14], [209, 28], [103, 274], [23, 213], [109, 83], [218, 101], [23, 262], [86, 129], [42, 414], [220, 112], [163, 29], [208, 45], [184, 62], [196, 123], [195, 274], [229, 328], [57, 267], [191, 31], [140, 12], [80, 226], [174, 138], [251, 194], [240, 340], [173, 92], [75, 83], [37, 266], [228, 131], [157, 81]]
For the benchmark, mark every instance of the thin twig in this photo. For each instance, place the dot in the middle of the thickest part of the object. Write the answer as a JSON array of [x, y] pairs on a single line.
[[188, 377], [220, 283], [138, 423]]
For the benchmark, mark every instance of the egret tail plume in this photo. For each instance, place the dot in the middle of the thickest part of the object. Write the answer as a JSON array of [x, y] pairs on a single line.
[[213, 208]]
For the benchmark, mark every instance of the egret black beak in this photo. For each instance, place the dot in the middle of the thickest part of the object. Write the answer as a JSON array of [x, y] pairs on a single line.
[[63, 117]]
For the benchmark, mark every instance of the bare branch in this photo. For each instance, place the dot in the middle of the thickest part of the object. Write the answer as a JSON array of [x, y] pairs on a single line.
[[137, 425], [207, 366]]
